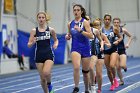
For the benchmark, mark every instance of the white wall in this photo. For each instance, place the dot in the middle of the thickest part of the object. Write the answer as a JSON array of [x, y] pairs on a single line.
[[61, 13], [84, 3], [95, 9], [125, 9], [8, 66], [0, 13], [26, 14], [133, 28], [57, 9]]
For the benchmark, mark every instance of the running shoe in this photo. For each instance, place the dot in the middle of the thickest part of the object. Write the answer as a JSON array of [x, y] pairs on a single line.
[[121, 83], [75, 90], [125, 69], [50, 87], [98, 91], [116, 84], [87, 92], [93, 89], [112, 87]]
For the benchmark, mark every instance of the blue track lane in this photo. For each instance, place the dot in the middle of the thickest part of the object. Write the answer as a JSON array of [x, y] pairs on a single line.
[[62, 80]]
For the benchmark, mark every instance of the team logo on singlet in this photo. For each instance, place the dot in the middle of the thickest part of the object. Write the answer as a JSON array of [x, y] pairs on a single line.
[[47, 34], [79, 24], [110, 35], [44, 36]]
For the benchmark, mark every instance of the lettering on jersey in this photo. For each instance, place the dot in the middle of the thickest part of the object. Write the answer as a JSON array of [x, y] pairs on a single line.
[[47, 34], [111, 35], [44, 36], [81, 25], [116, 38], [72, 29], [102, 55], [96, 40]]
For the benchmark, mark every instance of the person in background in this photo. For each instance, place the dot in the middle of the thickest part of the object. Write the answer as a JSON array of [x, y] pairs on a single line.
[[10, 54], [97, 58], [96, 42], [110, 54], [44, 57], [80, 32], [122, 48]]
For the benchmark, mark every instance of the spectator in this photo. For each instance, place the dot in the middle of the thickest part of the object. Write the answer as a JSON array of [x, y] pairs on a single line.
[[10, 54]]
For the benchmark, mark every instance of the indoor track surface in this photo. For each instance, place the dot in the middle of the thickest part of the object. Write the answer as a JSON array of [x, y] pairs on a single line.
[[62, 80]]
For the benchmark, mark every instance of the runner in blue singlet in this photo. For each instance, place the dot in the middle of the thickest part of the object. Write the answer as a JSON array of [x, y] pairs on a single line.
[[80, 32]]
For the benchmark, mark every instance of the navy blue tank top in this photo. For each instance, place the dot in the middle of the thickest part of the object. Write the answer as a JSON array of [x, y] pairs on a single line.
[[43, 40], [110, 35], [95, 44], [121, 44]]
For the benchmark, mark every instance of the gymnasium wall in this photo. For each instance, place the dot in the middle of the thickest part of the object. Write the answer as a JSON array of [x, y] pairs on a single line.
[[0, 44], [26, 14], [61, 13], [128, 11], [133, 28]]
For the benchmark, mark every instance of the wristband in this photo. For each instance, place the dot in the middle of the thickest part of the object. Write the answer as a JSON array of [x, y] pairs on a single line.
[[81, 31]]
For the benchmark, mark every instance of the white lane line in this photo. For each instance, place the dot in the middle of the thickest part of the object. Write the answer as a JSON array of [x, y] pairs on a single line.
[[129, 88], [32, 77], [35, 73], [34, 81], [15, 77], [19, 84], [17, 80], [27, 89]]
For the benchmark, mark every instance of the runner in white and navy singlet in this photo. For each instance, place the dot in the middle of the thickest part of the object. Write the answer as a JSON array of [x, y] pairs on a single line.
[[121, 64], [44, 57], [121, 45], [43, 47], [97, 61], [96, 46]]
